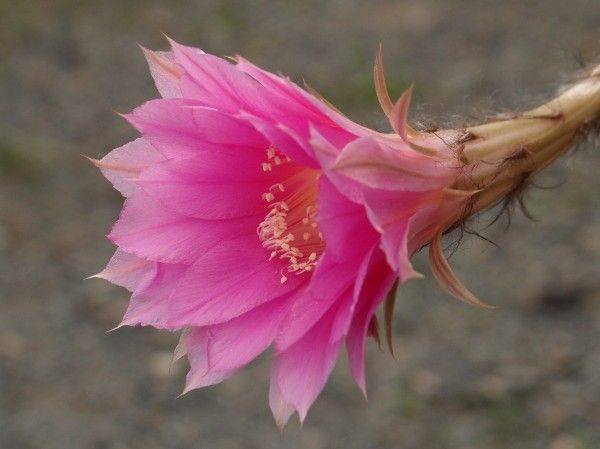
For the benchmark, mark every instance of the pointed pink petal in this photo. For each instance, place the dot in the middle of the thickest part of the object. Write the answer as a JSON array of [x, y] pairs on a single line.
[[194, 343], [350, 238], [301, 371], [240, 340], [126, 270], [220, 350], [227, 281], [165, 72], [277, 107], [124, 164], [217, 83], [294, 93], [214, 185], [378, 281], [283, 141], [346, 312], [149, 303], [196, 379], [344, 224], [378, 165], [282, 411], [391, 213], [281, 85], [394, 241], [220, 84], [330, 283], [326, 153], [180, 128], [149, 230]]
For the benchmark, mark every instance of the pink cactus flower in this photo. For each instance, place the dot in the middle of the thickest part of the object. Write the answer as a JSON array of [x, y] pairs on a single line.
[[256, 215]]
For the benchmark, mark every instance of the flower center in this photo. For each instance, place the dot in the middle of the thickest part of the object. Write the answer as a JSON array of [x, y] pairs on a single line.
[[290, 230]]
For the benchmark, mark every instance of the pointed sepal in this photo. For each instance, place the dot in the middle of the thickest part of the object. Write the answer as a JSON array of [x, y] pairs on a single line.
[[446, 277]]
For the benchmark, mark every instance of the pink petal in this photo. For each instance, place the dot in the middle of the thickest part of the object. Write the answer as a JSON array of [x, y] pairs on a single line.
[[331, 282], [180, 128], [346, 312], [124, 164], [239, 92], [344, 224], [281, 85], [372, 292], [217, 83], [227, 281], [295, 94], [282, 410], [301, 371], [214, 184], [165, 72], [394, 241], [149, 305], [350, 238], [391, 213], [326, 153], [283, 141], [226, 347], [266, 97], [425, 224], [195, 344], [149, 230], [379, 165], [126, 270]]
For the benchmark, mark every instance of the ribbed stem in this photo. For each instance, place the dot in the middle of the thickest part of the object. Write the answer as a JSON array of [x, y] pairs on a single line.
[[499, 155]]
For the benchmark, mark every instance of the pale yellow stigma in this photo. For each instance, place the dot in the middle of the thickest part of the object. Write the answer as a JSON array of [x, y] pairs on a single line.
[[290, 230]]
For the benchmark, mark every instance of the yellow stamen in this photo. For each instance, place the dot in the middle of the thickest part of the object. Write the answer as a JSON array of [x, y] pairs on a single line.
[[290, 230]]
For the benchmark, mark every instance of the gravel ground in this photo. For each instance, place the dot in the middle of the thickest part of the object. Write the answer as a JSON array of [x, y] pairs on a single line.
[[526, 375]]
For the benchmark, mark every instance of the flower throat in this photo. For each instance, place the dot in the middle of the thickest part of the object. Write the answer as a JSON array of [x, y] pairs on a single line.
[[290, 230]]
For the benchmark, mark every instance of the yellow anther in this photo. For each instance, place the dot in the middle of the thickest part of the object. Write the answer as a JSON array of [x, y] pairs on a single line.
[[290, 218]]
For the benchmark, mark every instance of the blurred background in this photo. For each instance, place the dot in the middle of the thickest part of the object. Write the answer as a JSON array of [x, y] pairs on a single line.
[[526, 375]]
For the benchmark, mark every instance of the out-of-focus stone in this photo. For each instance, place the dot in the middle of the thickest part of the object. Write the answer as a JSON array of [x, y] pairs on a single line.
[[565, 442], [162, 366], [12, 345]]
